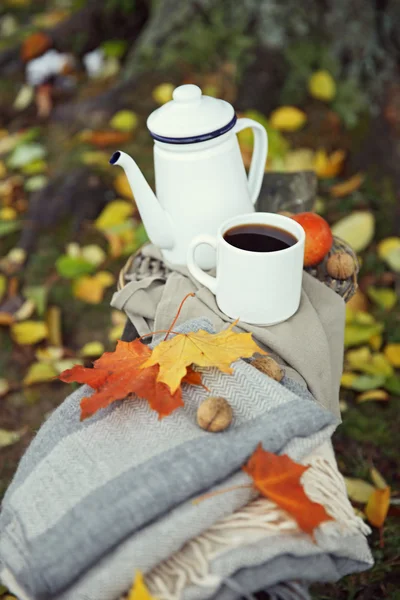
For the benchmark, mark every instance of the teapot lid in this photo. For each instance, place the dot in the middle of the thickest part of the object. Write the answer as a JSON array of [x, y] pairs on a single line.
[[191, 117]]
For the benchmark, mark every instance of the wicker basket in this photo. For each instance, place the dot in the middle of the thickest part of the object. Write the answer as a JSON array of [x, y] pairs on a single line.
[[345, 288]]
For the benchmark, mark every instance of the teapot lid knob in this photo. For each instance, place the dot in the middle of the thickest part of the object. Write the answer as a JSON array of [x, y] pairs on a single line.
[[187, 93]]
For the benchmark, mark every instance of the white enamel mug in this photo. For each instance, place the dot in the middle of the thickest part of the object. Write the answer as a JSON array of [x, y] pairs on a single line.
[[259, 288]]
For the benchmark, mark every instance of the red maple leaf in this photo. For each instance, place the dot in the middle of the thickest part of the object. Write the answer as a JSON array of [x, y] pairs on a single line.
[[278, 478], [116, 375]]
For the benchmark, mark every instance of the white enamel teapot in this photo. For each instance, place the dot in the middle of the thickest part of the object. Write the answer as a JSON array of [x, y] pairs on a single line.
[[200, 177]]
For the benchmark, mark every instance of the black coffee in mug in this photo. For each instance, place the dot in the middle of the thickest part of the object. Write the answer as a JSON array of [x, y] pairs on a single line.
[[257, 237]]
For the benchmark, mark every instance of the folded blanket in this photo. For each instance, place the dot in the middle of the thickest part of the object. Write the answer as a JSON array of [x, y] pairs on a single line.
[[310, 343], [84, 491], [261, 547]]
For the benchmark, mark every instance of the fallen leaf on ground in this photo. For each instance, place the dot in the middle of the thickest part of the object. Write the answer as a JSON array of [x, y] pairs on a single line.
[[278, 478], [362, 359], [301, 159], [115, 333], [35, 45], [8, 438], [202, 349], [117, 374], [7, 213], [29, 332], [377, 479], [93, 254], [4, 387], [53, 321], [92, 349], [72, 267], [162, 93], [358, 333], [327, 166], [358, 490], [287, 118], [25, 154], [278, 145], [24, 97], [357, 229], [322, 86], [392, 353], [33, 184], [388, 245], [347, 379], [347, 187], [38, 295], [392, 384], [114, 213], [49, 354], [7, 227], [385, 298], [378, 506], [91, 289], [25, 311], [375, 341], [38, 373], [364, 383], [373, 396], [103, 139], [122, 187], [3, 285], [124, 120], [139, 590]]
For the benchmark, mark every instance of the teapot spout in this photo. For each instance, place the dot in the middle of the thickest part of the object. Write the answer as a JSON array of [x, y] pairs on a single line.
[[156, 220]]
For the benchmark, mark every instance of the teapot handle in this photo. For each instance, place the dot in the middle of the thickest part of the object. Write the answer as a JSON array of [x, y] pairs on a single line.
[[259, 158]]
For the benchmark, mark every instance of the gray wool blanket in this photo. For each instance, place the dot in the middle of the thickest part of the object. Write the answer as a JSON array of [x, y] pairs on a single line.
[[84, 489]]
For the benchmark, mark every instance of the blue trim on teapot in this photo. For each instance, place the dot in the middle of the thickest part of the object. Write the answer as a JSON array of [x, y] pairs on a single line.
[[198, 138]]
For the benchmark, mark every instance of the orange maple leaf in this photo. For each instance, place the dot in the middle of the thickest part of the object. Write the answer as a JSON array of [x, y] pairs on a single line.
[[117, 374], [202, 349], [278, 478], [35, 45]]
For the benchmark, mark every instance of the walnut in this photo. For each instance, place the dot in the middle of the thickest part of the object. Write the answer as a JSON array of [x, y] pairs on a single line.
[[214, 414], [340, 265], [269, 366]]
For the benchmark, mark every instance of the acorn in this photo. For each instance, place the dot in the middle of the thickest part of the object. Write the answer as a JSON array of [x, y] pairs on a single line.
[[269, 366], [214, 414], [340, 265]]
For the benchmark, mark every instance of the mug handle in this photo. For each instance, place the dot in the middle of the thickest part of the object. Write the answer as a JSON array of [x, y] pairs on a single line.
[[194, 269], [259, 158]]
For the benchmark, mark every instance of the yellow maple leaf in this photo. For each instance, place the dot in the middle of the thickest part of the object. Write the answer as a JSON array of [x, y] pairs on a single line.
[[139, 590], [202, 349], [288, 118]]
